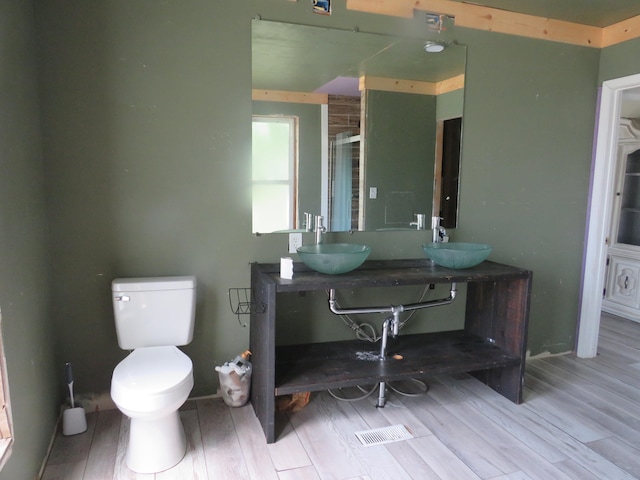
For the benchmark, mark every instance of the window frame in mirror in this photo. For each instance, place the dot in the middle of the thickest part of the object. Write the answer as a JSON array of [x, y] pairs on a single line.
[[290, 181]]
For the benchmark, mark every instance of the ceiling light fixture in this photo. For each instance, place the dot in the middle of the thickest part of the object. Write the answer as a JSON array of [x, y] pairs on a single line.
[[434, 47]]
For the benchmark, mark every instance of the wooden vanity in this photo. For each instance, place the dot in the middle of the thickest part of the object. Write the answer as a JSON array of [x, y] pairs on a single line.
[[492, 345]]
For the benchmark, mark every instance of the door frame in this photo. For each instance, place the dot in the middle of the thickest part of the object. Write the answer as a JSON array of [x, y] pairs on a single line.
[[599, 213]]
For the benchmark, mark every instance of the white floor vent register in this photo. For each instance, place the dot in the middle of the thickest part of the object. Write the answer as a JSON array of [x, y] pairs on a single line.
[[379, 436]]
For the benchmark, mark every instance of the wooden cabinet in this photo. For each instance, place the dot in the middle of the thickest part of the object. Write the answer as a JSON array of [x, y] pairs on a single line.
[[622, 289], [492, 345], [628, 212]]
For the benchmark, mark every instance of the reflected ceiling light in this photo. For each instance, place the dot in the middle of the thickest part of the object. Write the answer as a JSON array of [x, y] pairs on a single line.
[[433, 47]]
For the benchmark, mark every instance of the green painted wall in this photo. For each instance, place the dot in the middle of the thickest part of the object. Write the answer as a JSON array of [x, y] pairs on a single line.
[[615, 61], [146, 115], [146, 112], [400, 149], [528, 129], [27, 322], [450, 105]]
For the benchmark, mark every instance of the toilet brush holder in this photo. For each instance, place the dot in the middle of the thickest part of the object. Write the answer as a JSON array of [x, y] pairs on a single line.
[[74, 421]]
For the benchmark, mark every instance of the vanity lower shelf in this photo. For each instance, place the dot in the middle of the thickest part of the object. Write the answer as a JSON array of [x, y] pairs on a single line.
[[322, 366]]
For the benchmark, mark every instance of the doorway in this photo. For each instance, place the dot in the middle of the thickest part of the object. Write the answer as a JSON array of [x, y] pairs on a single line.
[[447, 174], [600, 208]]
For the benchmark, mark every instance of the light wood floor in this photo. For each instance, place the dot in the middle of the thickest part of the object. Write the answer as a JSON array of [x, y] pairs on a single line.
[[580, 420]]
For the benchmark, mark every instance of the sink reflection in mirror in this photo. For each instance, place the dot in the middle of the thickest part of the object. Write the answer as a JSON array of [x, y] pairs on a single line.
[[364, 159]]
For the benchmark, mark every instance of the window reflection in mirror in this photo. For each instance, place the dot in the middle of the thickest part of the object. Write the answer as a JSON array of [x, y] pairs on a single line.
[[308, 162], [274, 173]]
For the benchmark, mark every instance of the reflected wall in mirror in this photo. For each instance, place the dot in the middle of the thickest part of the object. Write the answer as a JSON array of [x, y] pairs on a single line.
[[371, 112]]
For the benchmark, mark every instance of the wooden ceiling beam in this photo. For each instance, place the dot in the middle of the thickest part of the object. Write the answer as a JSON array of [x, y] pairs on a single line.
[[450, 84], [368, 82], [399, 8], [621, 32], [502, 21], [289, 97]]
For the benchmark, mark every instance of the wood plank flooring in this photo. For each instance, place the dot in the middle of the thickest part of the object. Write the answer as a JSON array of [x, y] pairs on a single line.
[[580, 420]]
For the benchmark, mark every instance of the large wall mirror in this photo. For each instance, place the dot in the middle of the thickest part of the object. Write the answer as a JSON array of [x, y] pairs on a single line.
[[367, 124]]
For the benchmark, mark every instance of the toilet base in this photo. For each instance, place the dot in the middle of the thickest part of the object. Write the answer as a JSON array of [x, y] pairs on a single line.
[[155, 444]]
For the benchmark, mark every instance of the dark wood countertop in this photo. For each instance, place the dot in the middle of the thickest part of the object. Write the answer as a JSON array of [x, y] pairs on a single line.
[[384, 273]]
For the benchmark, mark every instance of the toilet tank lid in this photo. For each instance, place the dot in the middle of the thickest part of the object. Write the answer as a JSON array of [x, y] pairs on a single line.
[[146, 284]]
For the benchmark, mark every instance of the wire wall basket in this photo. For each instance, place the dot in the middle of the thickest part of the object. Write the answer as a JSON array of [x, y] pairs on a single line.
[[242, 302]]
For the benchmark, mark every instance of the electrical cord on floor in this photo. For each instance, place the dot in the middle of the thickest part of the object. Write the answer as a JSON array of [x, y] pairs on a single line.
[[422, 386], [353, 399]]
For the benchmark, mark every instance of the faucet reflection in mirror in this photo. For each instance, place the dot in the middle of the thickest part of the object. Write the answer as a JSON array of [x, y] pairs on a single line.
[[308, 222], [420, 222]]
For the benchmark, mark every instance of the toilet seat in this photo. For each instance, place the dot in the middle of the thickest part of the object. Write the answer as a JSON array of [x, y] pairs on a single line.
[[152, 378]]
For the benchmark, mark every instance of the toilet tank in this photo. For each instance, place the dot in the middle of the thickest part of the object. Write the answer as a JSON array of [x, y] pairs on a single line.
[[154, 311]]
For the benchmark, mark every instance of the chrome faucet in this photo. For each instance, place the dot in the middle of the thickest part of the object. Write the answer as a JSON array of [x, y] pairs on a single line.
[[320, 229], [439, 233]]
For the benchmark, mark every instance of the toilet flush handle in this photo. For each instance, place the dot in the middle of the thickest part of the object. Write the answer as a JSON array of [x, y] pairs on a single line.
[[122, 298]]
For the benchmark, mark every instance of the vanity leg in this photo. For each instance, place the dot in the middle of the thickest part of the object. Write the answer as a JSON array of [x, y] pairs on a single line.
[[262, 346], [499, 311]]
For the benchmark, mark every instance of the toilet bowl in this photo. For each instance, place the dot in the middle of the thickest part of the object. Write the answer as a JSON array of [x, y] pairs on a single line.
[[149, 386]]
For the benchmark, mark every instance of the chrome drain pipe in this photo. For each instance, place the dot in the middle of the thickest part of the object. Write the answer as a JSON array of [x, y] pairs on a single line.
[[385, 337], [393, 309], [381, 395], [391, 323]]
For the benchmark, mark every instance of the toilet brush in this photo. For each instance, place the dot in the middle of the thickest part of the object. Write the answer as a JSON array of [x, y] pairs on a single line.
[[74, 420]]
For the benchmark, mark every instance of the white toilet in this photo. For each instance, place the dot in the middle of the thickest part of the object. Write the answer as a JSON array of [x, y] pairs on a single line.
[[153, 316]]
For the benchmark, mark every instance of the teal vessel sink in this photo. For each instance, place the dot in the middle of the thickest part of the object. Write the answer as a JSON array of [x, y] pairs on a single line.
[[457, 254], [334, 258]]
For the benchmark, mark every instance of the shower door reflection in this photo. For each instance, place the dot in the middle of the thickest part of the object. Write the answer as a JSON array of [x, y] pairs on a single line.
[[344, 182]]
